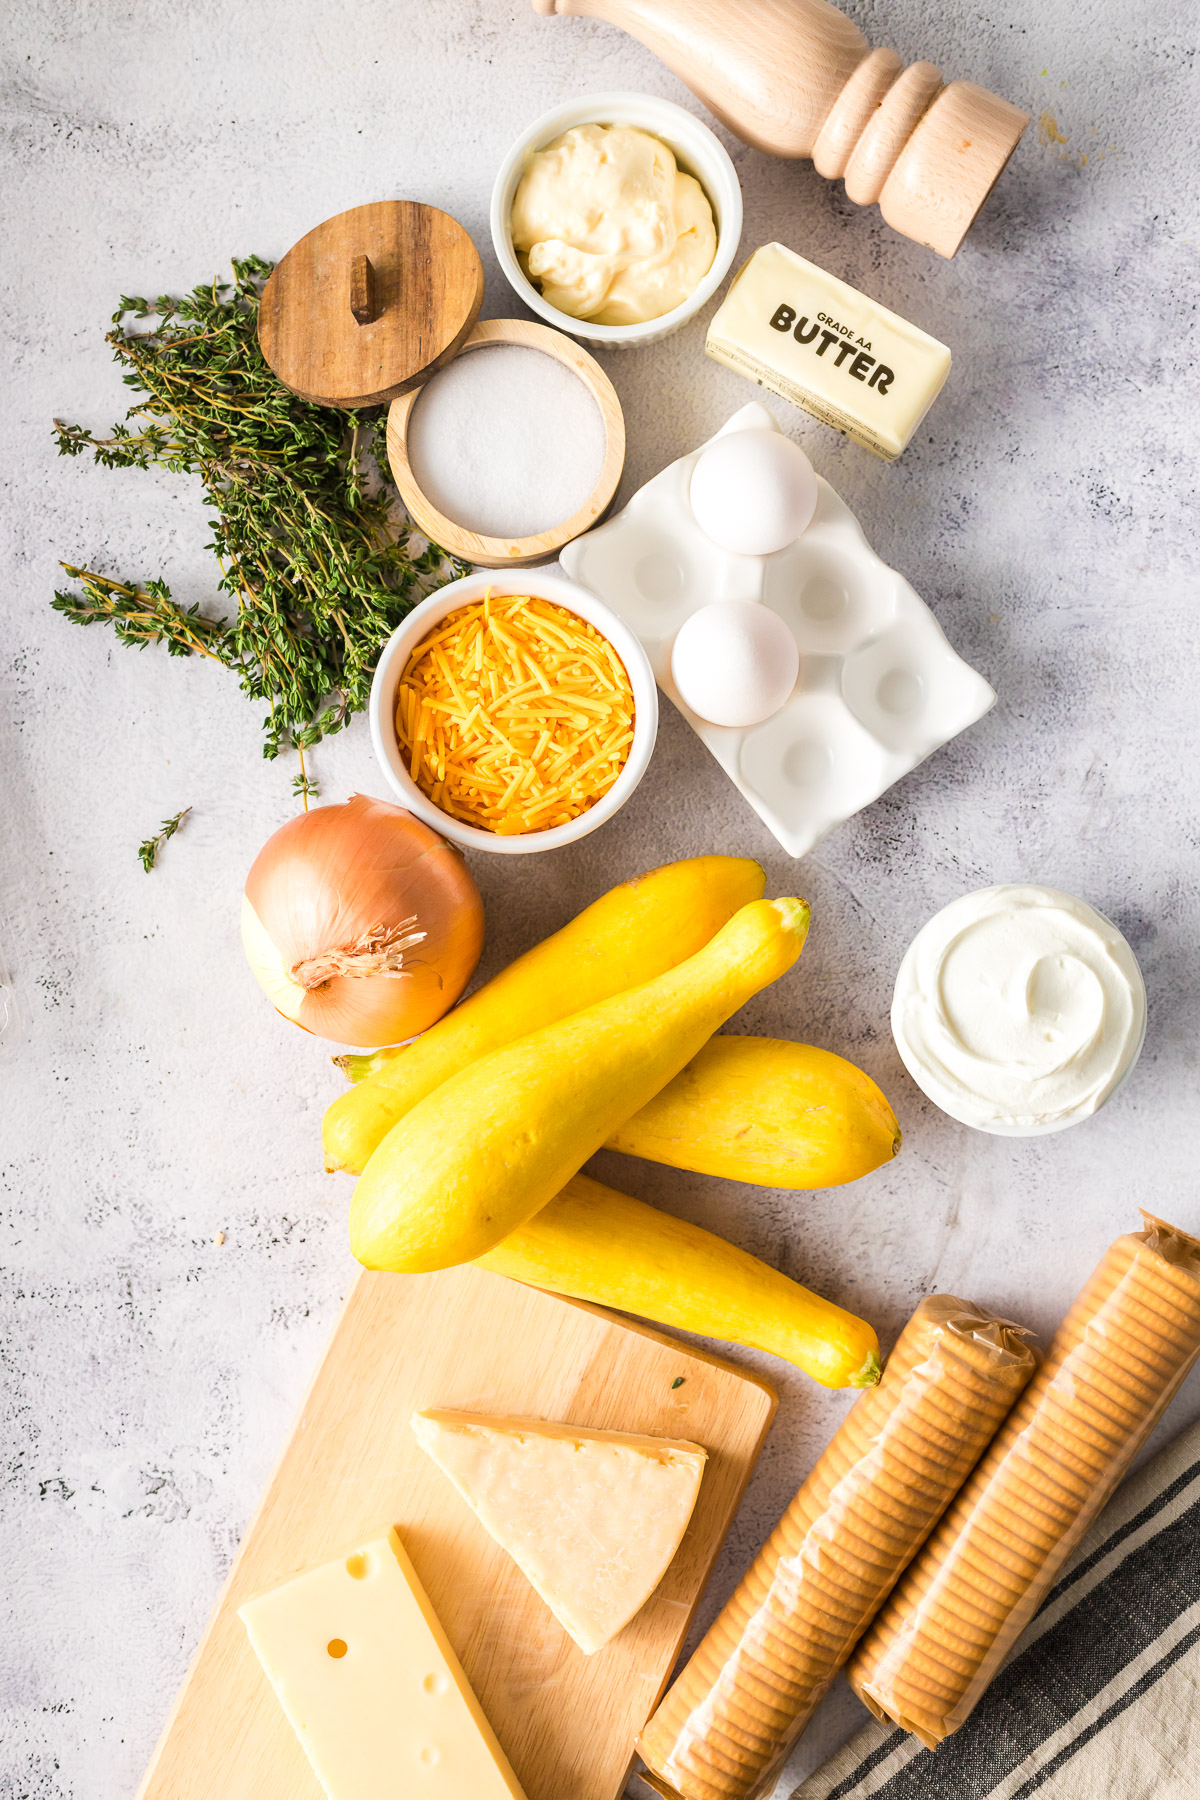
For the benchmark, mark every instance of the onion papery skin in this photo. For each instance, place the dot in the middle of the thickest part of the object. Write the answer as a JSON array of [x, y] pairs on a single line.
[[335, 884]]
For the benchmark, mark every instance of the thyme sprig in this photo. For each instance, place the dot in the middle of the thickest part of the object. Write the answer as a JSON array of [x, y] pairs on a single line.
[[303, 785], [320, 565], [148, 852]]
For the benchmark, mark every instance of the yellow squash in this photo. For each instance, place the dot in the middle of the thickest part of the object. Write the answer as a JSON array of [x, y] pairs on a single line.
[[487, 1149], [763, 1110], [595, 1244], [628, 936]]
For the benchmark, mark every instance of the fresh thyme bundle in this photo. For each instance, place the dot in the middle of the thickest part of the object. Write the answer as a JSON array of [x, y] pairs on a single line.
[[319, 571]]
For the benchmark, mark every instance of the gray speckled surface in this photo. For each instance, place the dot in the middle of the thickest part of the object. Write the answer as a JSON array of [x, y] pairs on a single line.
[[1047, 512]]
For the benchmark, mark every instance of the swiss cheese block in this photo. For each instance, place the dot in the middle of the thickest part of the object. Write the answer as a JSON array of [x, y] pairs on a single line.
[[592, 1518], [371, 1686], [817, 341]]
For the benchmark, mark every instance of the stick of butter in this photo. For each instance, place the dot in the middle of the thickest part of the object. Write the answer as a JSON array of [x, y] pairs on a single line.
[[371, 1685], [818, 342]]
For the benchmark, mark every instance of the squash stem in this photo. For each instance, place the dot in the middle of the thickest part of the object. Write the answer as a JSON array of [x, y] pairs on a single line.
[[358, 1068]]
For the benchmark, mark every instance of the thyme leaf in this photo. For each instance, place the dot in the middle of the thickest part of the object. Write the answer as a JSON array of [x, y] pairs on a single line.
[[303, 785], [148, 852], [316, 556]]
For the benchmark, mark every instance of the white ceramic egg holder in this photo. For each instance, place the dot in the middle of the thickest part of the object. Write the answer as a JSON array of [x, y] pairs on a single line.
[[879, 687]]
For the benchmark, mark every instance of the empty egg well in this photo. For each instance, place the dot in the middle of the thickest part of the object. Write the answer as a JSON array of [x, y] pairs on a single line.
[[831, 604], [812, 762], [905, 687], [654, 574]]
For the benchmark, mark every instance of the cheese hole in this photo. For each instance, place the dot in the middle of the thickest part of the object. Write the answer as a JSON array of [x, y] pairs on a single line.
[[357, 1566], [429, 1756], [336, 1647], [435, 1683]]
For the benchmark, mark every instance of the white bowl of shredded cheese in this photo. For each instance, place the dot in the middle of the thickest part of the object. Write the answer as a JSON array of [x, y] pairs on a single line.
[[509, 835], [697, 152]]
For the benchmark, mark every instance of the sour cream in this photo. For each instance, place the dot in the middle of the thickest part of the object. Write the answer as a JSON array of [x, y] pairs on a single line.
[[610, 228], [1019, 1010]]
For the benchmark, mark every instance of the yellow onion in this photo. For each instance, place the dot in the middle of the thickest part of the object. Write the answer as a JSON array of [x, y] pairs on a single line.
[[360, 923]]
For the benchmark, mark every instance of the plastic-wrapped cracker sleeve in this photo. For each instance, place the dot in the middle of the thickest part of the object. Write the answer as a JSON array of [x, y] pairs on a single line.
[[1117, 1359], [906, 1446]]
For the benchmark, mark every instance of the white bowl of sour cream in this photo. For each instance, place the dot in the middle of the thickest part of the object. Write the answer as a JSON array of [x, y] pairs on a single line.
[[1019, 1010], [698, 153]]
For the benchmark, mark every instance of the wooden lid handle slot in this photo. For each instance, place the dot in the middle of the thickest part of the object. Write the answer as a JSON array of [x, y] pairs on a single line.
[[364, 302]]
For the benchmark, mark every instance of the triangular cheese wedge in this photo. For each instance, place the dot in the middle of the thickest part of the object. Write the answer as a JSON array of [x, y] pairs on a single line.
[[592, 1518]]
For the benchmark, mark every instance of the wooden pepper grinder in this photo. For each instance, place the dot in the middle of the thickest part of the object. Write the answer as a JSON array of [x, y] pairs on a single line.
[[796, 78]]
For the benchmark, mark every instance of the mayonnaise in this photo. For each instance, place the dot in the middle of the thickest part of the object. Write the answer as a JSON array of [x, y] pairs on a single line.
[[1019, 1010], [609, 228]]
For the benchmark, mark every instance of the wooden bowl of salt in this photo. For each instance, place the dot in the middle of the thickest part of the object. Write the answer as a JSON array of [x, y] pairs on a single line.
[[503, 459]]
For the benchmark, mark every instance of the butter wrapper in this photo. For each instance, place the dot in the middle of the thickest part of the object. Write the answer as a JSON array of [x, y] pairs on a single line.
[[819, 343]]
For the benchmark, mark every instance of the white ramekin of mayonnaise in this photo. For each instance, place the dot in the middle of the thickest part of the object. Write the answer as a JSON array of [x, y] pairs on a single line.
[[1019, 1010], [616, 211]]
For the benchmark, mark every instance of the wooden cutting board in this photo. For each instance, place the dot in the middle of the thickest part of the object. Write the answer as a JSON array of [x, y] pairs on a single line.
[[468, 1339]]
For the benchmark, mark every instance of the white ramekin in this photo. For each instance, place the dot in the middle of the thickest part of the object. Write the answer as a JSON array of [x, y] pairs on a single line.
[[394, 661], [919, 986], [697, 151]]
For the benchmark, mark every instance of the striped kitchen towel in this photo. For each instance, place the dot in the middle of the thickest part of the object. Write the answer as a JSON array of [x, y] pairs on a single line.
[[1101, 1695]]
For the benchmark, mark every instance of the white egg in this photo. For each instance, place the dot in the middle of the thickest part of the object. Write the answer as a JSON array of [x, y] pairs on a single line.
[[753, 492], [734, 662]]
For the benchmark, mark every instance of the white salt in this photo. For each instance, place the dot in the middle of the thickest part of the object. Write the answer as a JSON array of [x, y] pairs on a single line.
[[506, 441]]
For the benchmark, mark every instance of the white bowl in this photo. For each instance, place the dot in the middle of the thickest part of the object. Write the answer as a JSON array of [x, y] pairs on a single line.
[[422, 618], [920, 1001], [697, 151]]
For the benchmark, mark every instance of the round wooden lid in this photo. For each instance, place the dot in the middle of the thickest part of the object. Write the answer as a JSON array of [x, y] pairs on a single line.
[[370, 303]]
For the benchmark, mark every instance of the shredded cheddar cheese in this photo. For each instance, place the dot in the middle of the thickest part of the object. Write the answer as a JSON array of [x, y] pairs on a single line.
[[514, 715]]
